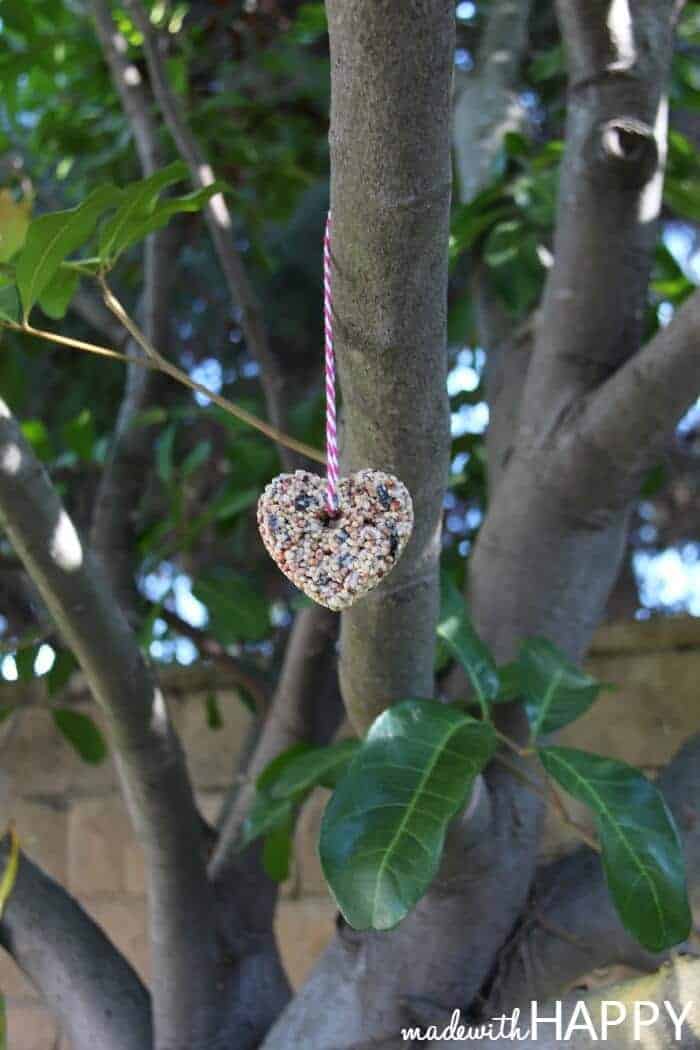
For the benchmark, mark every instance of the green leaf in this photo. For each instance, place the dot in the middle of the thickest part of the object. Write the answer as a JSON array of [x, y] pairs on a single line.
[[214, 719], [14, 222], [138, 202], [52, 238], [556, 691], [265, 816], [516, 270], [295, 772], [196, 458], [56, 297], [79, 435], [141, 227], [384, 827], [10, 309], [642, 854], [149, 417], [24, 662], [277, 850], [451, 605], [548, 64], [61, 670], [164, 453], [464, 643], [309, 24], [38, 437], [237, 609], [511, 686], [229, 504], [470, 223], [82, 733], [460, 322]]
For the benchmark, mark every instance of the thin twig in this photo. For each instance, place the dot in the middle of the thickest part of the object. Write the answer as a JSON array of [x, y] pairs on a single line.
[[239, 675], [160, 364]]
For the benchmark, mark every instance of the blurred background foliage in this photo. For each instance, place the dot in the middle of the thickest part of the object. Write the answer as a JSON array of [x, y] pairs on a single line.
[[253, 79]]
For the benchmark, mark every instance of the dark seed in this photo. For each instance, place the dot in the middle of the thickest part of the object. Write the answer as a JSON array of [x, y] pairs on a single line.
[[302, 502], [273, 522], [393, 542], [384, 497]]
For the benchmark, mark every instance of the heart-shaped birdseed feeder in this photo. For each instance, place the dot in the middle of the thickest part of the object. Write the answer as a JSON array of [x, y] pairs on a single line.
[[335, 560]]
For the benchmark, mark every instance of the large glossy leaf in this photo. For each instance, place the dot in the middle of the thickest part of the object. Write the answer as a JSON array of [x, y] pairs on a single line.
[[556, 691], [463, 642], [52, 238], [237, 611], [642, 854], [384, 827], [137, 205]]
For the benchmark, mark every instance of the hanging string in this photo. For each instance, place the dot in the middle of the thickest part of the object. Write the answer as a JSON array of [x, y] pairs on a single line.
[[332, 501]]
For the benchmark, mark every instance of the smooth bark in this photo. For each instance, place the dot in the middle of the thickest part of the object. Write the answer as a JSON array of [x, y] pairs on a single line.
[[147, 750], [390, 198]]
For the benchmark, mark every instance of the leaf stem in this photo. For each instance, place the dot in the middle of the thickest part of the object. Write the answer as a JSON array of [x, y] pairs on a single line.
[[522, 752], [550, 797]]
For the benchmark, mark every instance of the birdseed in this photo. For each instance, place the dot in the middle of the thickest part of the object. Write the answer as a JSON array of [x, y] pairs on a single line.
[[335, 561]]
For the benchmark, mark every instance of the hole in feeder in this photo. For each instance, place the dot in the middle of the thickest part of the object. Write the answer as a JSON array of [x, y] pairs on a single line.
[[329, 518]]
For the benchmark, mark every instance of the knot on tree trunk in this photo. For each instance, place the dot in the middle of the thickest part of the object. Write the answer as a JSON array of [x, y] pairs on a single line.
[[624, 149]]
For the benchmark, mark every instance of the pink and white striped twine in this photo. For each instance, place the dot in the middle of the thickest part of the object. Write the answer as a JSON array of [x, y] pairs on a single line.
[[332, 500]]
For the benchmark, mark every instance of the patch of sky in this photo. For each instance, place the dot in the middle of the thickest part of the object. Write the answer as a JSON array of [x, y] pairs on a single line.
[[466, 10], [669, 580], [470, 419], [210, 374], [690, 421], [682, 242], [250, 369], [8, 668]]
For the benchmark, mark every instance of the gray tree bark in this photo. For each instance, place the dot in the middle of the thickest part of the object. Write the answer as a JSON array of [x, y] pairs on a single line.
[[595, 410]]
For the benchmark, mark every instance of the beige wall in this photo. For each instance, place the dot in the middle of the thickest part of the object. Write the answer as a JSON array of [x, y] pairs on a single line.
[[71, 819]]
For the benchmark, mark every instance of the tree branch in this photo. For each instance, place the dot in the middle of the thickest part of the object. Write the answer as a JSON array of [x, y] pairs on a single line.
[[122, 480], [631, 419], [246, 893], [96, 314], [487, 105], [149, 755], [390, 193], [247, 678], [306, 663], [132, 92], [220, 225], [609, 200], [93, 991]]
